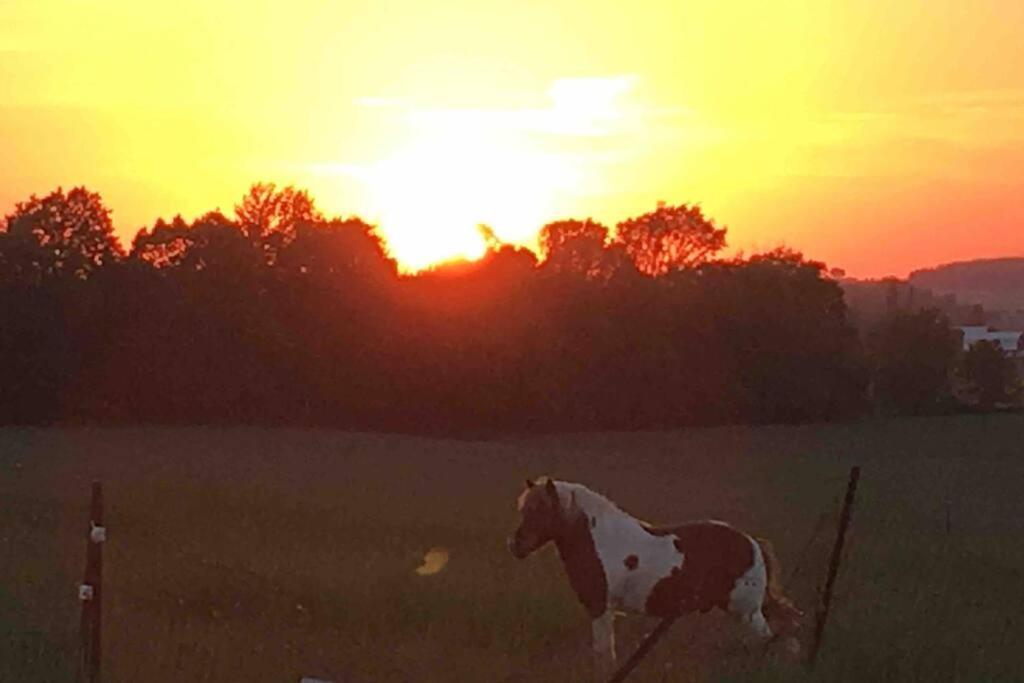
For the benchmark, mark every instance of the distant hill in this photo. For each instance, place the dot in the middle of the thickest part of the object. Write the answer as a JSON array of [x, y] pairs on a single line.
[[870, 300], [996, 284]]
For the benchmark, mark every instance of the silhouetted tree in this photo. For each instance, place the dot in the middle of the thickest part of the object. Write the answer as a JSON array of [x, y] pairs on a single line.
[[785, 327], [975, 315], [913, 355], [212, 244], [59, 236], [165, 246], [269, 217], [990, 374], [573, 246], [335, 250], [669, 238], [285, 316]]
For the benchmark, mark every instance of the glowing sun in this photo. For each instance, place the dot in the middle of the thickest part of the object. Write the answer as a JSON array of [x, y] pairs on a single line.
[[502, 168], [436, 193]]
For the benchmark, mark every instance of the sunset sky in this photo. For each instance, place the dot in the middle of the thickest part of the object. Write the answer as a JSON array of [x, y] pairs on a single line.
[[877, 136]]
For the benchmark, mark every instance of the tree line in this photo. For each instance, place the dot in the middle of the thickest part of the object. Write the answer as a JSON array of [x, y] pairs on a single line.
[[279, 314]]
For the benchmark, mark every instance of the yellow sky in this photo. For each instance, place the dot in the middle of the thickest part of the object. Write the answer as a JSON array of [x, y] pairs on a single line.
[[877, 136]]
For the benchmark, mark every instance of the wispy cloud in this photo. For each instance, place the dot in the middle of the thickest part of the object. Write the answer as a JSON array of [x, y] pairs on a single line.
[[578, 107], [960, 117], [380, 102]]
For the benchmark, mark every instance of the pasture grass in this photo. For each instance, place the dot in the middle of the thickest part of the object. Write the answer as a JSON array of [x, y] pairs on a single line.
[[247, 554]]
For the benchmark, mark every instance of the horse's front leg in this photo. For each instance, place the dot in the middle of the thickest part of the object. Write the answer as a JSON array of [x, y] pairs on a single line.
[[604, 645]]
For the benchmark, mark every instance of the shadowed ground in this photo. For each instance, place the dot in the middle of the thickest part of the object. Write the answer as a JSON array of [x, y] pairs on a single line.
[[260, 555]]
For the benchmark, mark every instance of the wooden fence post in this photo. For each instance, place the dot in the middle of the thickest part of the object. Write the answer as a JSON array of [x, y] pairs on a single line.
[[833, 565], [91, 591]]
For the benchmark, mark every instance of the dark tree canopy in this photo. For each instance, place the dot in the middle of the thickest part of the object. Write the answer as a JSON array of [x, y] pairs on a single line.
[[990, 375], [59, 236], [335, 250], [573, 246], [582, 249], [165, 246], [212, 243], [914, 354], [670, 238], [270, 217], [281, 315]]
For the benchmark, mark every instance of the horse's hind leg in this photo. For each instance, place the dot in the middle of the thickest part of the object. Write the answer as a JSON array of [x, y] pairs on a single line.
[[758, 624], [747, 602]]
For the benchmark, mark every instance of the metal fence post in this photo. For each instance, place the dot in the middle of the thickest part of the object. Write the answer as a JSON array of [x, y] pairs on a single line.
[[833, 565]]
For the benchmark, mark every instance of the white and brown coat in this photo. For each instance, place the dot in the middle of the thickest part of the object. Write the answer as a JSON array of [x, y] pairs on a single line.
[[616, 562]]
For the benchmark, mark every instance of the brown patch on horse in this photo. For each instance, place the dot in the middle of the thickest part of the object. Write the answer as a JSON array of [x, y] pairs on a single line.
[[536, 494], [714, 557], [586, 573], [631, 562], [542, 518]]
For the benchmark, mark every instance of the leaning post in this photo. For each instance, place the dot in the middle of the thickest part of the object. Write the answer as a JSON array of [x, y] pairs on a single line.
[[90, 593], [833, 565], [641, 652]]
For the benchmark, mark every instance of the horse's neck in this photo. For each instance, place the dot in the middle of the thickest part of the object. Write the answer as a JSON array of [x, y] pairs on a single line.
[[577, 499], [578, 551], [592, 523]]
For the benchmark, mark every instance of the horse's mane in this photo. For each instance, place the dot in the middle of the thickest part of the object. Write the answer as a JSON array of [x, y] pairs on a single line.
[[587, 500]]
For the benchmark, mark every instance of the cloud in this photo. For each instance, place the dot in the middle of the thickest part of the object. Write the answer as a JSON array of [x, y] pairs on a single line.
[[579, 107], [967, 118], [380, 102]]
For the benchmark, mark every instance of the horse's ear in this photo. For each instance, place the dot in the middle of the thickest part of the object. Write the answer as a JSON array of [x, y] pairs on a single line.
[[550, 488], [529, 483]]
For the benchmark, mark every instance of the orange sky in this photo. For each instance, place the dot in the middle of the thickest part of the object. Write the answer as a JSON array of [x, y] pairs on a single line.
[[877, 136]]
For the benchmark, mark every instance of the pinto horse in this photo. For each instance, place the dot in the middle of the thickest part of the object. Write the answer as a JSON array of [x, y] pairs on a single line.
[[616, 562]]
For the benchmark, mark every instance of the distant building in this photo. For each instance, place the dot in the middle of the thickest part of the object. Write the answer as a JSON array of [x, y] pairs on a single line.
[[1009, 341]]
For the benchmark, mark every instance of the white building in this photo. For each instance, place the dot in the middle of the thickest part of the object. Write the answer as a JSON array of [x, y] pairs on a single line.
[[1008, 341]]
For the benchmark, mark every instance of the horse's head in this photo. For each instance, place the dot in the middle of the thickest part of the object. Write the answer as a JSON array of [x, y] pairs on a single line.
[[542, 517]]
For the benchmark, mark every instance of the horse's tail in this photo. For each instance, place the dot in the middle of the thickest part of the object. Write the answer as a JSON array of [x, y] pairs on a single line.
[[782, 614]]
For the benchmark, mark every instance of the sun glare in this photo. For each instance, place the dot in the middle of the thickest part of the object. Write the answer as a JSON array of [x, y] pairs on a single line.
[[470, 167], [436, 193]]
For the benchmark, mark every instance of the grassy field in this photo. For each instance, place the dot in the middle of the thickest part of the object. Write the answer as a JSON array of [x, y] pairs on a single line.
[[262, 555]]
